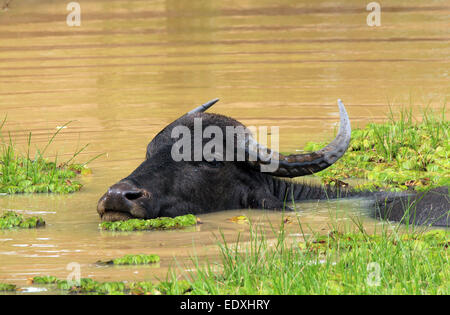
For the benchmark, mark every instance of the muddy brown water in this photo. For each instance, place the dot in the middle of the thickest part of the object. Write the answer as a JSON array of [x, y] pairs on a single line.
[[134, 66]]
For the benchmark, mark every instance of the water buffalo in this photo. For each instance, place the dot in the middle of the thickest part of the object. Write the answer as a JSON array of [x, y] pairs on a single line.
[[166, 186]]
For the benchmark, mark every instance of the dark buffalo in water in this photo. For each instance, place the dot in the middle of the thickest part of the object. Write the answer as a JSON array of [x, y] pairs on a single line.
[[164, 187]]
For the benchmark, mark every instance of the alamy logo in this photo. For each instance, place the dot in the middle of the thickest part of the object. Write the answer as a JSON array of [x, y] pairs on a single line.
[[236, 144], [74, 277], [373, 278], [374, 17], [74, 17]]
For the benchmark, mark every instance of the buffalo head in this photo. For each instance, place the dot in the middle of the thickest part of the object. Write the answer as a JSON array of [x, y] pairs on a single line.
[[165, 185]]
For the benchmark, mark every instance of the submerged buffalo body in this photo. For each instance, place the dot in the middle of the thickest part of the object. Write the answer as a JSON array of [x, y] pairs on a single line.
[[166, 186]]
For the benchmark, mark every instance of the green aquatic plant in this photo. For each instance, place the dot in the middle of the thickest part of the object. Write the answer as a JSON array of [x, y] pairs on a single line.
[[164, 287], [176, 287], [11, 219], [23, 173], [397, 155], [44, 279], [143, 288], [84, 285], [90, 286], [141, 259], [162, 223], [136, 259], [346, 241], [7, 287]]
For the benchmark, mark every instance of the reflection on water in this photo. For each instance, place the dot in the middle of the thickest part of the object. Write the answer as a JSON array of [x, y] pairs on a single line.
[[134, 66]]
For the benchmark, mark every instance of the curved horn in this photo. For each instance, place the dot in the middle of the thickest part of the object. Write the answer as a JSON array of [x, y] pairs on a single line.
[[203, 107], [304, 164]]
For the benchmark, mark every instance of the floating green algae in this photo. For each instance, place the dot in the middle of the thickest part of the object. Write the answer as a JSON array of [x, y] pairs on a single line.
[[397, 155], [11, 219], [90, 286], [162, 223], [7, 287]]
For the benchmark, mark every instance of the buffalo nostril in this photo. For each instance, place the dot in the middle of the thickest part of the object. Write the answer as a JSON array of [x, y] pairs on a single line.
[[122, 197], [132, 195]]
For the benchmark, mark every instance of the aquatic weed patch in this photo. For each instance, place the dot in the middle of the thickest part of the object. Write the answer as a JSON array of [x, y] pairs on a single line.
[[11, 219], [44, 280], [84, 285], [5, 287], [347, 241], [90, 286], [136, 259], [23, 173], [161, 223], [141, 259], [396, 155]]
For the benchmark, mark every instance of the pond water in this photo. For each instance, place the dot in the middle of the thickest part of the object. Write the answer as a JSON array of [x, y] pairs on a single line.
[[134, 66]]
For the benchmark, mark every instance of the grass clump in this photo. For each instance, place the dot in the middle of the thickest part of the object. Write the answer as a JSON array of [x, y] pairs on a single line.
[[338, 263], [11, 219], [141, 259], [161, 223], [22, 173], [397, 155]]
